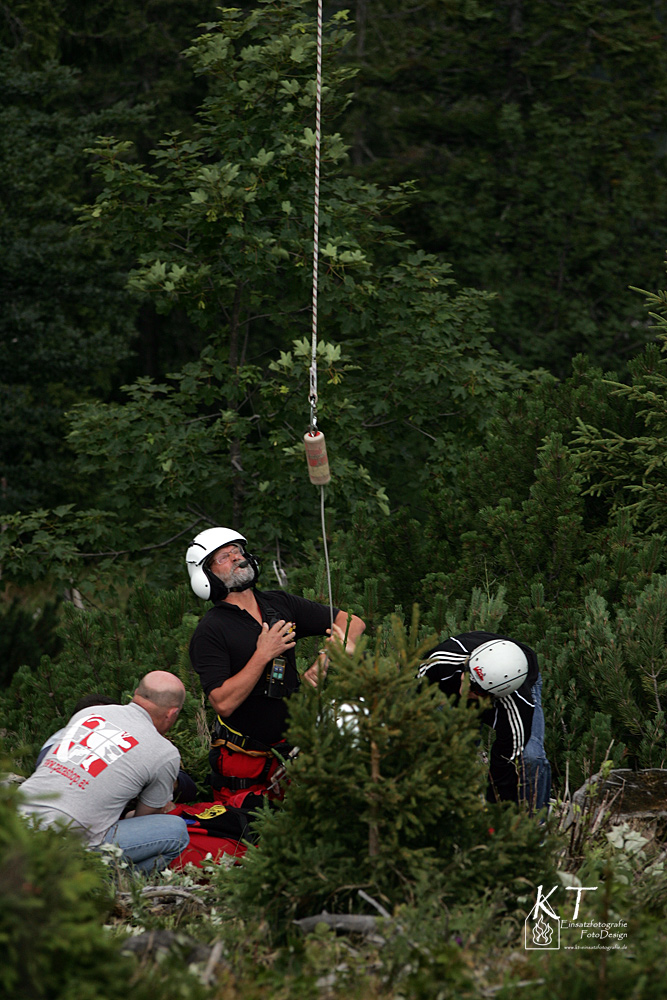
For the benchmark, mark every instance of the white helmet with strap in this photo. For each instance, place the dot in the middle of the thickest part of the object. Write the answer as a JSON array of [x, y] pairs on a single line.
[[499, 667], [204, 583]]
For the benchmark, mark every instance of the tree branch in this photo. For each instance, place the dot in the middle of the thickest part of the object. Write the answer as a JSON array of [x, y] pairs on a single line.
[[144, 548]]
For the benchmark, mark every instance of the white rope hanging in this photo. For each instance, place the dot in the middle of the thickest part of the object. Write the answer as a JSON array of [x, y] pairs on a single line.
[[312, 398], [316, 452]]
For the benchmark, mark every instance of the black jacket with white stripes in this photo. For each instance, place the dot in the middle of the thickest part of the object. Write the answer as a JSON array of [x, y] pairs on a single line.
[[510, 715]]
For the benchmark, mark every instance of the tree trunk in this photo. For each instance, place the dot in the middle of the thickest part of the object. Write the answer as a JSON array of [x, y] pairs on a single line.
[[373, 828]]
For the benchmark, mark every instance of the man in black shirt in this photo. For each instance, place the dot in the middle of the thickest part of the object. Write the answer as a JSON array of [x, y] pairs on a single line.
[[243, 651], [507, 671]]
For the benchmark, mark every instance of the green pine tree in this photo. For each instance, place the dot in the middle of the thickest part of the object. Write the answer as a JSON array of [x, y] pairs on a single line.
[[385, 796]]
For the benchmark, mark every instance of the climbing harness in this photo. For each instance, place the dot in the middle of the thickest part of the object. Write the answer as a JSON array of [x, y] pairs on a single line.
[[224, 736]]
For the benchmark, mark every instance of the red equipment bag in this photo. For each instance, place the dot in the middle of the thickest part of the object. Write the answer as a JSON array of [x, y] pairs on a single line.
[[215, 829], [202, 844]]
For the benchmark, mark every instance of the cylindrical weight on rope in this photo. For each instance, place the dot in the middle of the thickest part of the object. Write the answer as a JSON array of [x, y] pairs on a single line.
[[316, 454]]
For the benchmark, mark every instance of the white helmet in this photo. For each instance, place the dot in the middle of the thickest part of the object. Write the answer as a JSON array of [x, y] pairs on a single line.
[[499, 667], [204, 583]]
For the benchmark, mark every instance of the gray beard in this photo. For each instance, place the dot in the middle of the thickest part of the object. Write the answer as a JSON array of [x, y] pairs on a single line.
[[238, 576]]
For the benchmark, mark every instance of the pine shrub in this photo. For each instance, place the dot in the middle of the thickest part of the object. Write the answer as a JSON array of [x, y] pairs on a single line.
[[386, 796], [54, 899]]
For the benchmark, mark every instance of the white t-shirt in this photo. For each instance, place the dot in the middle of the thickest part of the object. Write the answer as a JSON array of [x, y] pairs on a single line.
[[104, 757]]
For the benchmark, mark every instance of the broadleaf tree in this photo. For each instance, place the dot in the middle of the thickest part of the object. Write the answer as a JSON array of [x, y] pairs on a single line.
[[536, 134], [221, 228], [67, 319]]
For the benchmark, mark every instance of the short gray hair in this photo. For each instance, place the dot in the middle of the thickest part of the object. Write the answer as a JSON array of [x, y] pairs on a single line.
[[164, 695]]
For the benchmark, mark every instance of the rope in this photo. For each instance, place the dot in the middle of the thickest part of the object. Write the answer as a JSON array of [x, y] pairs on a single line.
[[312, 396], [326, 556]]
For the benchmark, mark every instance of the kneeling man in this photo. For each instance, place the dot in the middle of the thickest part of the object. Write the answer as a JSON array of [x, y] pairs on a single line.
[[106, 756]]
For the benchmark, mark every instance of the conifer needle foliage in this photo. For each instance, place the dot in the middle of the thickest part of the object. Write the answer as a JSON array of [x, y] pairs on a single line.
[[387, 794]]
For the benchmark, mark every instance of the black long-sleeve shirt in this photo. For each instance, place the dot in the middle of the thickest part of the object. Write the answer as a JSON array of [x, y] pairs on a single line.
[[510, 715]]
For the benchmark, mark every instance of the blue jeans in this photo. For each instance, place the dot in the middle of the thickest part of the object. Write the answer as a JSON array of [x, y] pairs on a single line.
[[149, 843], [537, 769]]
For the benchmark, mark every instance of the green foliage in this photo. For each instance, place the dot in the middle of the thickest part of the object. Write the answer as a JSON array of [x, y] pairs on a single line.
[[54, 943], [220, 228], [107, 652], [497, 500], [54, 900], [513, 529], [637, 972], [132, 54], [27, 633], [426, 957], [214, 223], [629, 882], [611, 683], [627, 467], [536, 134], [512, 512], [66, 321]]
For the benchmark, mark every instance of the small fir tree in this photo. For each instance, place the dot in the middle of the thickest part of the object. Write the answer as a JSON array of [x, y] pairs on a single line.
[[387, 793]]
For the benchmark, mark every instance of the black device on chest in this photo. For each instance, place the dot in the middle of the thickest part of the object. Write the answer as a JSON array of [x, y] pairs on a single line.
[[274, 685]]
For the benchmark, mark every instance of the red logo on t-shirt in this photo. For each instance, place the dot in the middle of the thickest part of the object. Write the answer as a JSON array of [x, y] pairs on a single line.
[[93, 743]]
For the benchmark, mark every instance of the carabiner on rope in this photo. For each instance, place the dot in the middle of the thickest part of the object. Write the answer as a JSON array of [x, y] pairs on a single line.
[[312, 397]]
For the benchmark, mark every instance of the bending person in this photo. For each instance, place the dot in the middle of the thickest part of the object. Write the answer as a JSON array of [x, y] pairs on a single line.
[[106, 756], [507, 671], [185, 789]]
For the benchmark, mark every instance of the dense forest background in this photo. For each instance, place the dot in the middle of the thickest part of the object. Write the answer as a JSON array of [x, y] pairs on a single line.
[[491, 340]]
